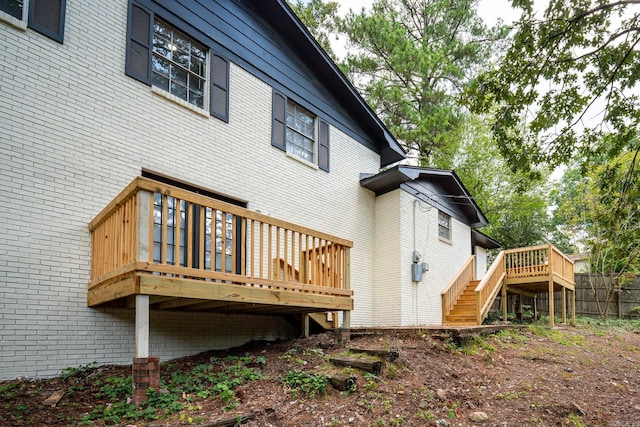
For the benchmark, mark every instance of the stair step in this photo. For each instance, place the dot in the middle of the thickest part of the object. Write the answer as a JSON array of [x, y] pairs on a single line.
[[461, 317], [463, 311], [469, 308], [462, 314], [448, 323]]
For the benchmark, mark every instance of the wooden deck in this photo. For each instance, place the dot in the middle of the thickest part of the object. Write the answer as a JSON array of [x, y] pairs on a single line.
[[195, 253], [526, 271]]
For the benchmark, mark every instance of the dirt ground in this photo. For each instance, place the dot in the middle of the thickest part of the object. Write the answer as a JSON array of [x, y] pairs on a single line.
[[569, 376]]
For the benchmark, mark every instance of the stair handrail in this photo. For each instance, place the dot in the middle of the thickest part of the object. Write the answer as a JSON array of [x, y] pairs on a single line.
[[489, 286], [452, 292]]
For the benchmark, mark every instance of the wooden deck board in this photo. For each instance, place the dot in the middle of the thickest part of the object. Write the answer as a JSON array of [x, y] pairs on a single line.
[[174, 293]]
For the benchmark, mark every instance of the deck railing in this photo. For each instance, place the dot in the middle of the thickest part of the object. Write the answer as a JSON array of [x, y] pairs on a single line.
[[165, 230], [538, 261], [522, 265], [457, 285], [489, 286]]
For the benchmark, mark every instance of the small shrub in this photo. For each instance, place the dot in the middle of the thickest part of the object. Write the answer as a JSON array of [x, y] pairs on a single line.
[[116, 388], [309, 384], [66, 373]]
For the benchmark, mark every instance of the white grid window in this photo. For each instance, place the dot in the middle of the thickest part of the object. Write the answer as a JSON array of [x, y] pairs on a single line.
[[301, 131], [444, 226], [179, 64]]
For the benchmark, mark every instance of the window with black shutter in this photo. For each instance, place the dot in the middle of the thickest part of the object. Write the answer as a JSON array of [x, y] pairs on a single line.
[[299, 132], [163, 56], [43, 16], [47, 17]]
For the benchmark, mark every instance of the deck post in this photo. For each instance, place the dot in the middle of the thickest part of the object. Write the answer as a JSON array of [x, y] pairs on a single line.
[[142, 325], [564, 305], [144, 209], [504, 302], [305, 325], [551, 307], [344, 334], [145, 369], [573, 307], [550, 272]]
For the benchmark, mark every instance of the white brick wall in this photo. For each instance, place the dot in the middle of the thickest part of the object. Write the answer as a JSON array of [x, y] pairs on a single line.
[[388, 298], [75, 130], [481, 262], [421, 302], [399, 300]]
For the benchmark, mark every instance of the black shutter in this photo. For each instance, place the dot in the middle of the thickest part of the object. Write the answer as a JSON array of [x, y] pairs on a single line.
[[279, 111], [219, 103], [47, 17], [138, 63], [323, 145]]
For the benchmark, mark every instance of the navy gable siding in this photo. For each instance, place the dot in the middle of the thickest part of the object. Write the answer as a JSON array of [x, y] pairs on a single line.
[[237, 30]]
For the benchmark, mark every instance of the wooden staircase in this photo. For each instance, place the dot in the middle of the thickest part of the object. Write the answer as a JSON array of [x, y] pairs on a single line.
[[464, 313]]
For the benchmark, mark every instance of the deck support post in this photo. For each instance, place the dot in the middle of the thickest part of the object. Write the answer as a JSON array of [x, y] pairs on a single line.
[[564, 305], [145, 369], [551, 307], [504, 302], [142, 325], [305, 325], [573, 307]]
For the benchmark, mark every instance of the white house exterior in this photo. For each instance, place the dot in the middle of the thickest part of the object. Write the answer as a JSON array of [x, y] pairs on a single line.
[[77, 126]]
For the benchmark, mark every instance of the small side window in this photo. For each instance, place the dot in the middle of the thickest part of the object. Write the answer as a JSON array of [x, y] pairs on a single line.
[[444, 226]]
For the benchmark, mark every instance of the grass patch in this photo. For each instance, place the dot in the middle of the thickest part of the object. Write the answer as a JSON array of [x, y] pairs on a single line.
[[556, 335], [473, 345], [608, 325], [511, 338]]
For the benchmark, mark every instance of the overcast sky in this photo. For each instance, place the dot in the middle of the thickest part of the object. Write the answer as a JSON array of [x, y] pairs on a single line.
[[489, 10]]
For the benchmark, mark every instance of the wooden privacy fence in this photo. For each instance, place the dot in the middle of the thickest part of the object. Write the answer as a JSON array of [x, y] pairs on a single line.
[[165, 230], [621, 305]]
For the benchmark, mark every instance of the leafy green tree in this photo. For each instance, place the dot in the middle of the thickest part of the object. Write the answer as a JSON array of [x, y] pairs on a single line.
[[320, 18], [515, 206], [603, 212], [410, 59], [568, 83]]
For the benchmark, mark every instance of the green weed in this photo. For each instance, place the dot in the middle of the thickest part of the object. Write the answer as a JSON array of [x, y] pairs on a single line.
[[66, 373], [556, 335], [576, 421], [310, 384]]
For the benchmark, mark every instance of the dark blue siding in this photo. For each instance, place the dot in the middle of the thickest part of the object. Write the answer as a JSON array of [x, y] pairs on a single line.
[[237, 30]]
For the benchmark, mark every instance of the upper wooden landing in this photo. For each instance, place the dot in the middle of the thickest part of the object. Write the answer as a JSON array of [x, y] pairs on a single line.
[[526, 271], [195, 253]]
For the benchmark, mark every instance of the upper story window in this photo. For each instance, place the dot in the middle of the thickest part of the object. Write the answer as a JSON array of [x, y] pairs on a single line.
[[444, 225], [299, 132], [15, 8], [166, 57], [44, 16], [179, 64]]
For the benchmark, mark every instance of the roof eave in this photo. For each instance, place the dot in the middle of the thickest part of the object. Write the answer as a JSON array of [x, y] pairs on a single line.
[[390, 149]]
